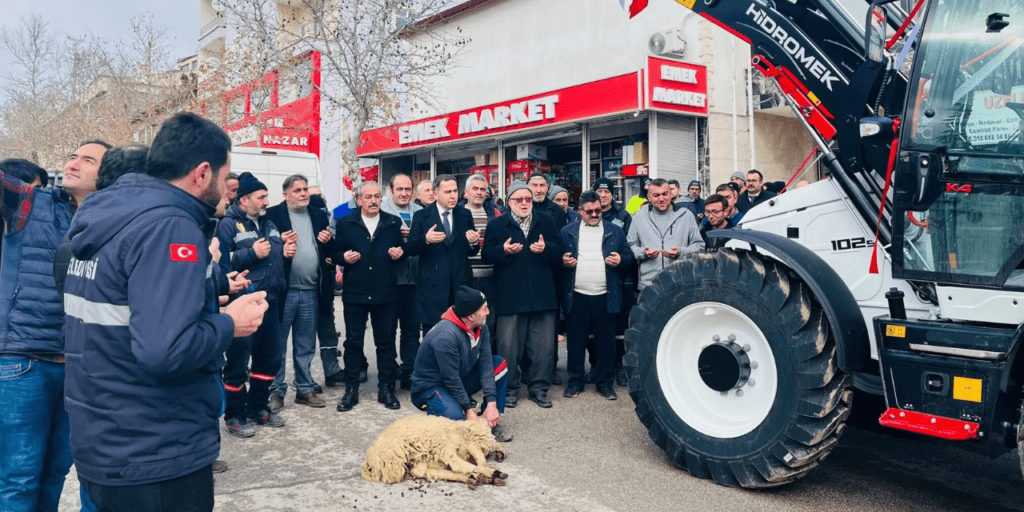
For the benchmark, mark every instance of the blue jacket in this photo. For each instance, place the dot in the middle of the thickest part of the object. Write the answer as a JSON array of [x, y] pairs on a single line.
[[31, 315], [444, 266], [237, 234], [614, 240], [447, 355], [144, 340]]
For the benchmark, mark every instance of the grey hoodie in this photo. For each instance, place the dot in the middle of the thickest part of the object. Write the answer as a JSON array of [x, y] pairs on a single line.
[[681, 231], [406, 269]]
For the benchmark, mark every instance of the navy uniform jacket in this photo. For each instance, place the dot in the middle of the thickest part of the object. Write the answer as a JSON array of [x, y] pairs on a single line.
[[237, 234], [143, 337], [444, 266]]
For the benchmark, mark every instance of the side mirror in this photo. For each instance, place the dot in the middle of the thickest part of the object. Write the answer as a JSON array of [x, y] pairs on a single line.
[[874, 32]]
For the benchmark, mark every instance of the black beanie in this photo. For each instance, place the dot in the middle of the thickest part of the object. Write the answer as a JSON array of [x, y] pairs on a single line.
[[468, 301], [247, 184]]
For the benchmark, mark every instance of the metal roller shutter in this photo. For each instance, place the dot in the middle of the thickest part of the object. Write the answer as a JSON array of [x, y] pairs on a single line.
[[677, 148]]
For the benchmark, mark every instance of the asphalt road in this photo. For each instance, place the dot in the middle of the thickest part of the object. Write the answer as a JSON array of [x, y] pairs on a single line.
[[585, 454]]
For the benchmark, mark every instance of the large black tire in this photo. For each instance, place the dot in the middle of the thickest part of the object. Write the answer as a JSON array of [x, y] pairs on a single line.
[[810, 401]]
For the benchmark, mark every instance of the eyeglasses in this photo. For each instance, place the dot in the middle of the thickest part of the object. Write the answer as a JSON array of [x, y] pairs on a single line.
[[520, 200], [713, 212], [596, 211]]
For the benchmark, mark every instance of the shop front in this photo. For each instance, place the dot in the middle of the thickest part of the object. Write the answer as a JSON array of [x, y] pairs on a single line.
[[640, 124]]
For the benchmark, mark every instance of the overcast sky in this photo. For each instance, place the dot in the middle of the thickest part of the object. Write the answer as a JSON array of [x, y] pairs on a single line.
[[110, 19]]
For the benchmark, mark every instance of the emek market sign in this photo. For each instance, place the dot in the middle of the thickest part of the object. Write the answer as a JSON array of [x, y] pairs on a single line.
[[609, 96]]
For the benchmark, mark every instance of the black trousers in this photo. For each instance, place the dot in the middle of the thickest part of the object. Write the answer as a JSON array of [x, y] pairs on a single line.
[[588, 316], [382, 319], [266, 350], [405, 318], [190, 493], [327, 334]]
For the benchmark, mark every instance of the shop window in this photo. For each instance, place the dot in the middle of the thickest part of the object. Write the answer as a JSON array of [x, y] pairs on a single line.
[[236, 109]]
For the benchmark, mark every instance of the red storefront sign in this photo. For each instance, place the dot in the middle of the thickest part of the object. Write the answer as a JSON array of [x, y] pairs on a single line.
[[676, 86], [594, 99]]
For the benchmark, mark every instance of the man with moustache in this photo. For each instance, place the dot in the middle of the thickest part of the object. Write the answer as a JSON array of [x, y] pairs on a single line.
[[310, 282], [33, 420], [369, 242], [524, 248], [250, 241], [755, 193], [660, 234]]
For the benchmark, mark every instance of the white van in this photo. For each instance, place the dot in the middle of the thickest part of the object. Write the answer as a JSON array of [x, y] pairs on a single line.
[[272, 166]]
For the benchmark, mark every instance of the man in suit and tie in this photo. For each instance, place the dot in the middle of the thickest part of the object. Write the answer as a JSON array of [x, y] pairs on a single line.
[[444, 238]]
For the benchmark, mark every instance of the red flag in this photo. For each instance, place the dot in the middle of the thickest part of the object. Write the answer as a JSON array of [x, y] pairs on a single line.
[[636, 6], [184, 252]]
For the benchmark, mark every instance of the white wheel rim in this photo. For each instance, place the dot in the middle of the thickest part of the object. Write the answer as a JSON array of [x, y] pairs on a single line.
[[707, 411]]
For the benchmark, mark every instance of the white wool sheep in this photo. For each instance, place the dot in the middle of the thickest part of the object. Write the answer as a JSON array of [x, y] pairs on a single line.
[[435, 448]]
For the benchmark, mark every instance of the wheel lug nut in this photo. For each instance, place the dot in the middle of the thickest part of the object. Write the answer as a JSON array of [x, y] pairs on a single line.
[[739, 392], [746, 348], [753, 365], [750, 382], [716, 338], [732, 337], [725, 393]]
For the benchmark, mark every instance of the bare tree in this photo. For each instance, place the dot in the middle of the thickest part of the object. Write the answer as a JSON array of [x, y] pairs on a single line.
[[62, 90], [372, 70]]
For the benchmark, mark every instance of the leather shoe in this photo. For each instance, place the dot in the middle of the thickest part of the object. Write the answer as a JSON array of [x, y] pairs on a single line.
[[335, 379], [540, 398], [276, 403], [386, 396], [406, 382], [310, 399], [350, 399], [511, 401], [572, 390], [608, 393]]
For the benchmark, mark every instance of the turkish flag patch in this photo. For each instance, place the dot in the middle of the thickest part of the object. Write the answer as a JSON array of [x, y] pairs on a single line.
[[184, 252]]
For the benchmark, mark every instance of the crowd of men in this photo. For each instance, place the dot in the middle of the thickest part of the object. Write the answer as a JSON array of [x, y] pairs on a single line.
[[463, 296]]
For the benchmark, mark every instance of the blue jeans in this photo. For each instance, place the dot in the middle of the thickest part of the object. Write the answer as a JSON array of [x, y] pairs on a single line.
[[439, 401], [35, 443], [300, 312]]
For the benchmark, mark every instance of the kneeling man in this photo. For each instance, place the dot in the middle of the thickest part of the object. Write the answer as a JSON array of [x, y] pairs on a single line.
[[455, 361]]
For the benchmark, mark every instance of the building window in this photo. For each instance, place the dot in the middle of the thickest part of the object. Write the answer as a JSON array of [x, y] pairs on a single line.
[[236, 109], [259, 100], [295, 82]]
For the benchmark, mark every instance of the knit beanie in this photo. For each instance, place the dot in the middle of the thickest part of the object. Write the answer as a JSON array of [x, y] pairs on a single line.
[[604, 183], [739, 175], [516, 186], [468, 301], [694, 183], [555, 190], [247, 184]]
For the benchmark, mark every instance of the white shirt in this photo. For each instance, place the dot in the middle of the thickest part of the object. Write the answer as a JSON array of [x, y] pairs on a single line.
[[371, 223], [440, 213], [590, 272]]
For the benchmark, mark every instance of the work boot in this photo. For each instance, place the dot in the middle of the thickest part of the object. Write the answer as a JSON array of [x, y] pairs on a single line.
[[501, 434], [268, 419], [276, 403], [350, 399], [310, 399], [240, 427], [386, 396]]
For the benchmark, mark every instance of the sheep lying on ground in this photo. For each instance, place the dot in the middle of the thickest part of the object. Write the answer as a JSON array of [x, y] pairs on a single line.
[[435, 448]]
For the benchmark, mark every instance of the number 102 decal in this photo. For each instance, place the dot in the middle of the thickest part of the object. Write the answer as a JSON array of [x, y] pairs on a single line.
[[847, 244]]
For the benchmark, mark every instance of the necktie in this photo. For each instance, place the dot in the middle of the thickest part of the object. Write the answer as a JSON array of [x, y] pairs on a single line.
[[447, 225]]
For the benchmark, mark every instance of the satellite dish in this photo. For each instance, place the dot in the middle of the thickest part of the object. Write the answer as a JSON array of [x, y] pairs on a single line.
[[667, 43]]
